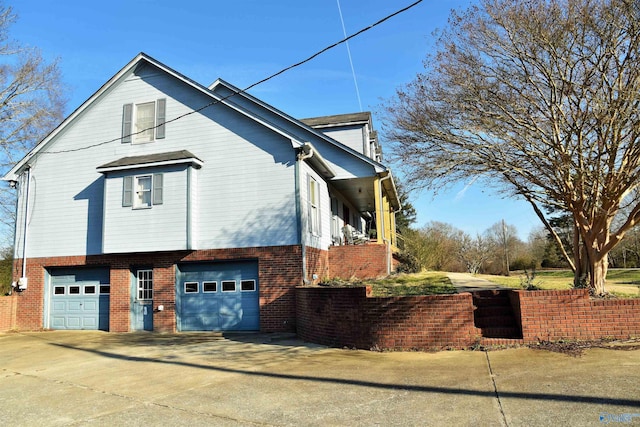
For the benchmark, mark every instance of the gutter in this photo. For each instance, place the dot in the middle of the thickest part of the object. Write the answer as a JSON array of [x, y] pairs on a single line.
[[305, 152]]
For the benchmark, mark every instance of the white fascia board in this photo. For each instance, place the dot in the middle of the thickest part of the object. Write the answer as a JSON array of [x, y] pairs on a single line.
[[16, 170], [192, 161]]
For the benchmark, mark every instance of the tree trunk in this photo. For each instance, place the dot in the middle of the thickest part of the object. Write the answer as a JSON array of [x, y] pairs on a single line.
[[598, 276]]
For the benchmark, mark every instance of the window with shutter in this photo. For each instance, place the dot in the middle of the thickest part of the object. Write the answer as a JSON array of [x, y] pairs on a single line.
[[144, 122], [142, 191]]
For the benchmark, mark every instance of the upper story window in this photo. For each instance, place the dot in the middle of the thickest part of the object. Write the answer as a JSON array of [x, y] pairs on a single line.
[[144, 122], [142, 191]]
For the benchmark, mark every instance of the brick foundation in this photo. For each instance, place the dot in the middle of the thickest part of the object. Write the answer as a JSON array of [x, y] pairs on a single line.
[[279, 272], [358, 261], [317, 264]]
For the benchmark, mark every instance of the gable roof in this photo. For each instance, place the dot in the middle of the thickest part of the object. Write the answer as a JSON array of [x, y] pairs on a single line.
[[297, 139]]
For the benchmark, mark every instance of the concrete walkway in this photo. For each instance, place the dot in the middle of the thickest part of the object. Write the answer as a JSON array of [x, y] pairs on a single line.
[[203, 379], [465, 282]]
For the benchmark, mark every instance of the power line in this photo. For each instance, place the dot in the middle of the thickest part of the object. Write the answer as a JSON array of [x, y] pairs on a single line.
[[240, 91], [353, 71]]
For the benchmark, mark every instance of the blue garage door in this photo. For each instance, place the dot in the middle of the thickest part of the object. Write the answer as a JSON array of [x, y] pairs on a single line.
[[79, 298], [218, 297]]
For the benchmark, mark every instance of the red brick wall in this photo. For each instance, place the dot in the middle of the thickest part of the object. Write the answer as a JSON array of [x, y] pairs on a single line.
[[279, 272], [358, 261], [318, 264], [8, 306], [571, 314], [345, 317]]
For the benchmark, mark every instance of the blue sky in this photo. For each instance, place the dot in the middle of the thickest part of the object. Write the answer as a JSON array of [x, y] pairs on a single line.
[[244, 41]]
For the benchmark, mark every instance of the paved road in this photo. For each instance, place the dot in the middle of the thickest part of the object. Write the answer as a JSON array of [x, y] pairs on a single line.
[[105, 379], [465, 282]]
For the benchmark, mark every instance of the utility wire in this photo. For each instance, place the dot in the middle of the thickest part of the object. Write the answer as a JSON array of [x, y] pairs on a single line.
[[353, 71], [240, 91]]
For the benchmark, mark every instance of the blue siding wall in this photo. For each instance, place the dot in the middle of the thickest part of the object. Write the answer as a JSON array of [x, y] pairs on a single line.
[[244, 195]]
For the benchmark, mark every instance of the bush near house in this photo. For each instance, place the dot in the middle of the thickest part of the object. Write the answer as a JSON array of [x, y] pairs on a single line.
[[6, 269]]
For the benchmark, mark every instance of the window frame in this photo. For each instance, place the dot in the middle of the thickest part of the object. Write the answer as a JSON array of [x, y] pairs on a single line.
[[143, 133], [254, 287], [235, 285], [313, 197], [144, 284], [197, 289], [155, 124], [131, 194], [209, 282]]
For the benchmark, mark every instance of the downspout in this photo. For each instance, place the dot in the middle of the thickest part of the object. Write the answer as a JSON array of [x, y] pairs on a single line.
[[384, 238], [300, 157], [22, 283]]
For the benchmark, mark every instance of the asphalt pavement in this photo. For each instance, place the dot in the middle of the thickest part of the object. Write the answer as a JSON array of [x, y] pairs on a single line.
[[207, 379]]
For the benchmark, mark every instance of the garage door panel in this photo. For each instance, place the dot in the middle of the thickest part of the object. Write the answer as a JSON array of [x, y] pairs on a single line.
[[223, 306], [79, 298]]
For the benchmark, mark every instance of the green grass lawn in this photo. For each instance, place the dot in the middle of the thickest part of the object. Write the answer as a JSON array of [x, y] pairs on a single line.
[[425, 283], [620, 282]]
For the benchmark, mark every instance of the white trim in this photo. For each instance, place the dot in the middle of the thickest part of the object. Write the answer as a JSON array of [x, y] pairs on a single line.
[[197, 291], [191, 160], [209, 282], [235, 285]]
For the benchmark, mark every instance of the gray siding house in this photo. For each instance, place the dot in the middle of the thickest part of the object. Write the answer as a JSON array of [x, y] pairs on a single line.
[[162, 204]]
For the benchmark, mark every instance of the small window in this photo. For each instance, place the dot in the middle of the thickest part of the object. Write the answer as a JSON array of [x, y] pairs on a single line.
[[58, 290], [144, 122], [191, 287], [229, 286], [142, 191], [248, 285], [314, 207], [142, 187], [145, 284], [209, 286], [89, 290], [74, 290], [105, 289]]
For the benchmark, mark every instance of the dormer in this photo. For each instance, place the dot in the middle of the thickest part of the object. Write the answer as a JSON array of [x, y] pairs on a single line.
[[354, 130]]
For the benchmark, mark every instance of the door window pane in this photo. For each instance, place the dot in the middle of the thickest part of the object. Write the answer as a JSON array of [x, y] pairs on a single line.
[[145, 284]]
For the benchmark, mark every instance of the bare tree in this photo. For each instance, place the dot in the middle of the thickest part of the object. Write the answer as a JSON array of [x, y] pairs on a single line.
[[474, 252], [541, 100], [503, 238], [31, 103]]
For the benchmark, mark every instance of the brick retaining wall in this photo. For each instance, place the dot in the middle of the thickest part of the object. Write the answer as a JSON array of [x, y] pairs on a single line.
[[571, 314], [8, 305], [345, 317]]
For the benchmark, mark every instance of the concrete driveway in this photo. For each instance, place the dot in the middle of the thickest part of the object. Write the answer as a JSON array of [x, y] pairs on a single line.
[[95, 378]]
